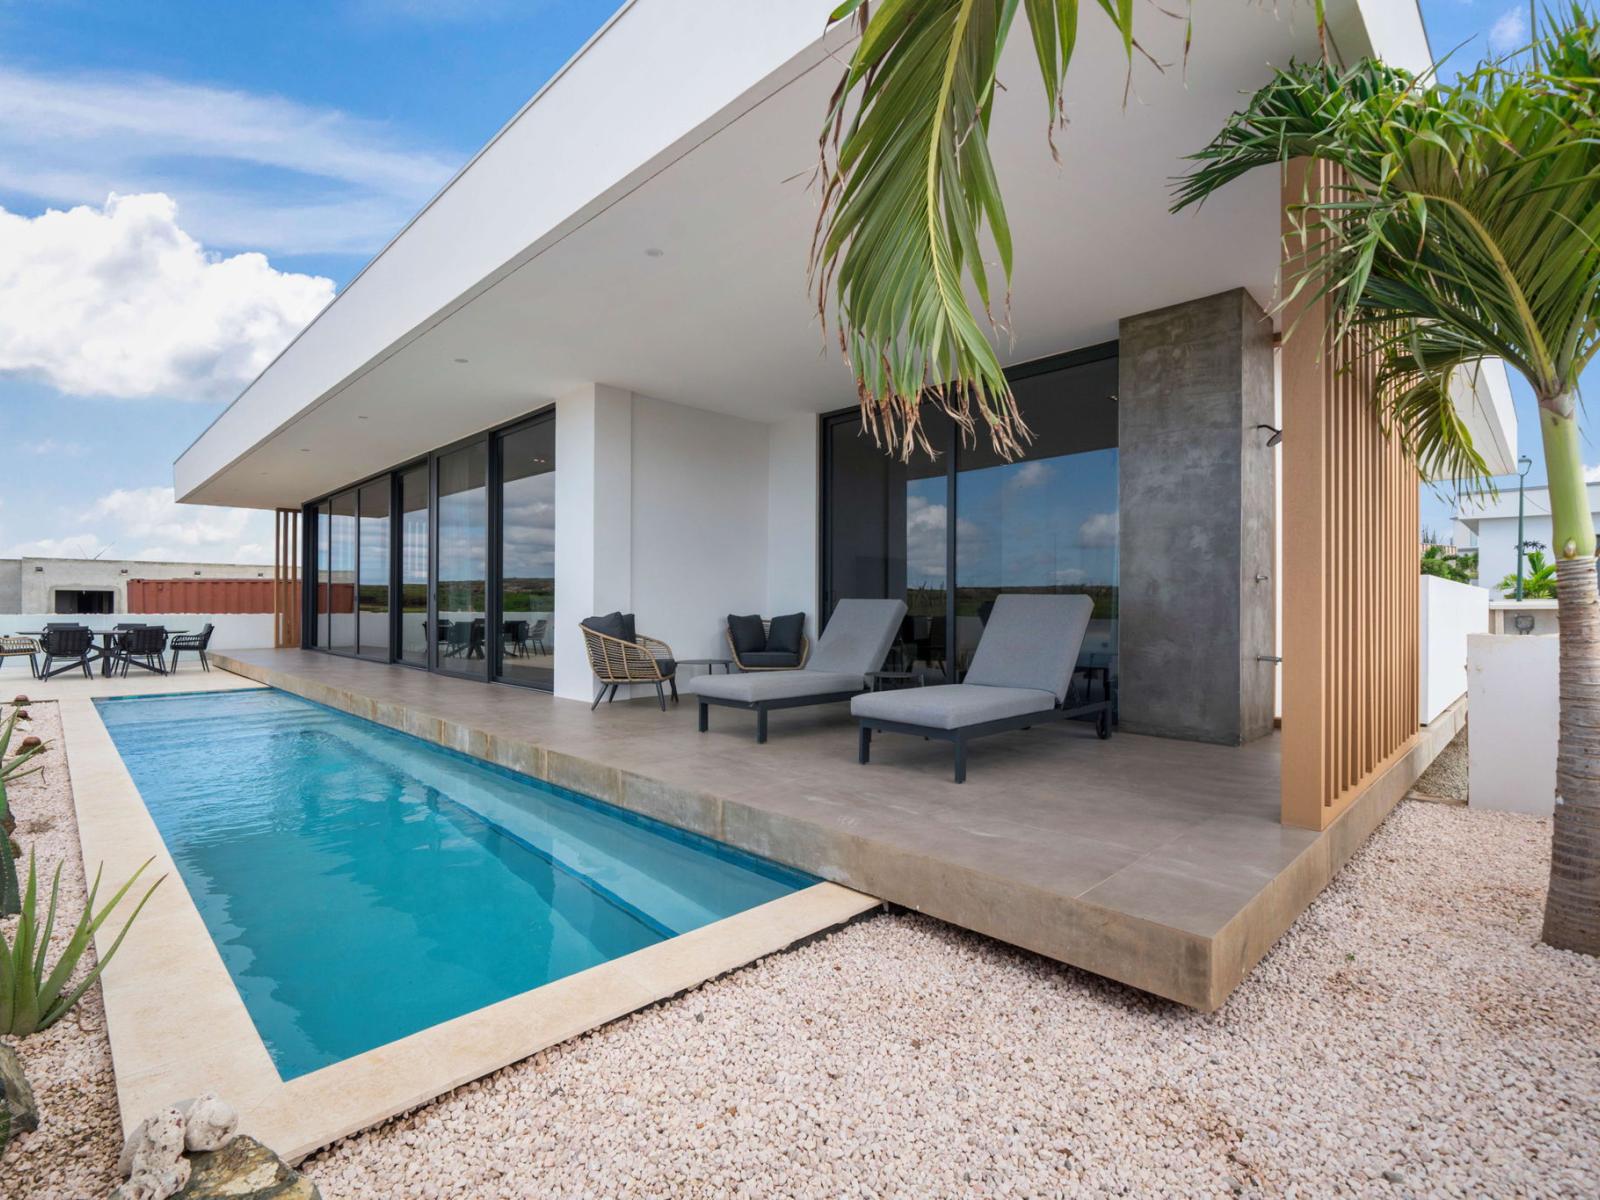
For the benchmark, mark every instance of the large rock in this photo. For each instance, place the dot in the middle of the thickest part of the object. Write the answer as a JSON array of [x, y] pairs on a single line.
[[244, 1169], [15, 1093]]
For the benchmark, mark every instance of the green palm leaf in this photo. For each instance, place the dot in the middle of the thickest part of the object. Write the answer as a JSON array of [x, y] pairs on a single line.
[[910, 202]]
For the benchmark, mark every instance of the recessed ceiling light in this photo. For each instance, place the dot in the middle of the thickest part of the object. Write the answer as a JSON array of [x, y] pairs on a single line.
[[461, 360], [654, 253], [305, 449], [361, 416]]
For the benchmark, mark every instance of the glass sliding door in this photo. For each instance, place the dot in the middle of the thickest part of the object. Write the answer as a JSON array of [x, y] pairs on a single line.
[[342, 574], [324, 578], [951, 534], [463, 561], [372, 570], [1046, 524], [527, 554], [885, 535], [413, 600]]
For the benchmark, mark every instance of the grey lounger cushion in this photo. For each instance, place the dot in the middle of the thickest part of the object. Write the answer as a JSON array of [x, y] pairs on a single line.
[[1031, 642], [778, 685], [858, 637], [951, 705]]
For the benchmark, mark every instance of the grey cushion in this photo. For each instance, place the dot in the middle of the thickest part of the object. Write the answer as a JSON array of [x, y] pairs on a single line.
[[666, 665], [1031, 642], [776, 685], [616, 624], [858, 636], [771, 658], [785, 634], [747, 634], [951, 705]]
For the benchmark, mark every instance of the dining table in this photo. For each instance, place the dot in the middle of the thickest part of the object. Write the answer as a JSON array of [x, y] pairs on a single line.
[[103, 654]]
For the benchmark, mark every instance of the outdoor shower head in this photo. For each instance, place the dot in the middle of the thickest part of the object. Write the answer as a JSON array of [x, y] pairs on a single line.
[[1277, 434]]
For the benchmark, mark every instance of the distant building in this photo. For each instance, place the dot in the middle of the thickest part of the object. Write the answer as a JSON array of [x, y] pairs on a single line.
[[1491, 522], [110, 585]]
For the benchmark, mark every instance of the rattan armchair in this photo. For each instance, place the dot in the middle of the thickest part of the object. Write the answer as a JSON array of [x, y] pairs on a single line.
[[20, 647], [616, 662]]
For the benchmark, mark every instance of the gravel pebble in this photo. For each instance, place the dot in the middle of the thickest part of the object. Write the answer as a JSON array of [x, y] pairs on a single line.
[[1408, 1036]]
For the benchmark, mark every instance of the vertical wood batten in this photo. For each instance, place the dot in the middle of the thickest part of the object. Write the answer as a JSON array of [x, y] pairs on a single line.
[[1351, 583]]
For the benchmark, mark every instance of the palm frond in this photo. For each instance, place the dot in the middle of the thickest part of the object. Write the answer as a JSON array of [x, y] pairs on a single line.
[[1469, 226], [910, 205]]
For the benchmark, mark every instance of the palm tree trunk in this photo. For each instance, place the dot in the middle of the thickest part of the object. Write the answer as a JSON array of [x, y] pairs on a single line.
[[1572, 912]]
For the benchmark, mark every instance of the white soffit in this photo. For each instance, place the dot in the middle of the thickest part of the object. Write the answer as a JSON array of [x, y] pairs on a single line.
[[692, 129]]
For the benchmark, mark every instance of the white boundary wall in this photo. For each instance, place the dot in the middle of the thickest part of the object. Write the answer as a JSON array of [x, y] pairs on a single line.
[[1451, 612], [1513, 704], [234, 631]]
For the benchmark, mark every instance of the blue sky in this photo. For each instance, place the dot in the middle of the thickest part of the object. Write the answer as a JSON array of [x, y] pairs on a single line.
[[262, 152]]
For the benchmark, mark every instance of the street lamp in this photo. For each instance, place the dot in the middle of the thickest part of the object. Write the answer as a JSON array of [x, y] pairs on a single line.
[[1524, 465]]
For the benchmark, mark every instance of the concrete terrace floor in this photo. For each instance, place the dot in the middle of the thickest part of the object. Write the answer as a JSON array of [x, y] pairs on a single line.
[[1158, 863]]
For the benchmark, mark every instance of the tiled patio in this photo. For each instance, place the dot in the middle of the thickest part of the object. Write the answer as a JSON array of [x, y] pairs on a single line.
[[1159, 863]]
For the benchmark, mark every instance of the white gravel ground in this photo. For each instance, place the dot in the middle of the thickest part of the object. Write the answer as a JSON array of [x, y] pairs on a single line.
[[1408, 1037], [73, 1155]]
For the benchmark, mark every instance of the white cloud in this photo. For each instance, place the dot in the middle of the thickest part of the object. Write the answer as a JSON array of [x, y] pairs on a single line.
[[121, 301], [1510, 31], [1592, 474], [50, 447], [1098, 530], [303, 179], [1027, 475], [148, 524]]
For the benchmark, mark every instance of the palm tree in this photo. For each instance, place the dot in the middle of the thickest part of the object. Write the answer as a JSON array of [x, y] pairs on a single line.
[[1468, 229]]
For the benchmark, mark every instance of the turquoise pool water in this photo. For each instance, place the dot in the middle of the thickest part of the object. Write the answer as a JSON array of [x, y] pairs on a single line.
[[362, 884]]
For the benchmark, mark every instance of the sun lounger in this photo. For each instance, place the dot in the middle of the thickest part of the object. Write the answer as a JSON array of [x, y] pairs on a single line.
[[855, 642], [1020, 677]]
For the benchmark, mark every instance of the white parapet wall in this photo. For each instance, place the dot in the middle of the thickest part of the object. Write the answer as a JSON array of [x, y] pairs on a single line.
[[234, 631], [1512, 702], [1451, 612]]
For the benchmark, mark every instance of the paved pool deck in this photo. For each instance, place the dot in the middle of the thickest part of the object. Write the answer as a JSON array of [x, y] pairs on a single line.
[[1158, 863]]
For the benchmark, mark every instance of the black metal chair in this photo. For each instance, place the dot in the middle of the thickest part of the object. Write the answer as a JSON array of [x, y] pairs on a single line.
[[515, 637], [71, 643], [145, 647], [196, 643]]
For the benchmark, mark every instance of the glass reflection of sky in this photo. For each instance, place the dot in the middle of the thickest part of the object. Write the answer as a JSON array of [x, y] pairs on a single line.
[[1041, 522]]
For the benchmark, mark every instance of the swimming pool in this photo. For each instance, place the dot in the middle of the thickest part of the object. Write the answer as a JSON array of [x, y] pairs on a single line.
[[362, 884]]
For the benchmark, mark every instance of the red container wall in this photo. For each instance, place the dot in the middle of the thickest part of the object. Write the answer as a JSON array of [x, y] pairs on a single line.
[[200, 596]]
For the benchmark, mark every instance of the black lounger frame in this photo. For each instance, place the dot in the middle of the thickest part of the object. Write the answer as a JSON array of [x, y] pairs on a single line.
[[962, 735]]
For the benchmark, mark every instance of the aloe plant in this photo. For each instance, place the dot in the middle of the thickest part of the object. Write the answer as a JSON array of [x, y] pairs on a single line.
[[31, 998], [11, 768]]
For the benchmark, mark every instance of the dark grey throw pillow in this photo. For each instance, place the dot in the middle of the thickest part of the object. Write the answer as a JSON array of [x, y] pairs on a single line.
[[629, 632], [747, 633], [785, 634], [611, 625]]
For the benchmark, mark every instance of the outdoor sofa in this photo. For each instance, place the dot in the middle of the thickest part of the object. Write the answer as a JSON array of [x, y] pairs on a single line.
[[855, 643], [1020, 677]]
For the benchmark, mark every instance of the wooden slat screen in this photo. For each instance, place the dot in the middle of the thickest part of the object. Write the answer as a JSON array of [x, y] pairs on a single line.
[[1351, 653], [286, 579]]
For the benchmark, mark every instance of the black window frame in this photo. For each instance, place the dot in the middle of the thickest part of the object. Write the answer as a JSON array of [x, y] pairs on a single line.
[[1099, 352], [493, 601]]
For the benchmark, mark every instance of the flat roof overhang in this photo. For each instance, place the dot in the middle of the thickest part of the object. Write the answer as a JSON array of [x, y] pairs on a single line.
[[535, 267]]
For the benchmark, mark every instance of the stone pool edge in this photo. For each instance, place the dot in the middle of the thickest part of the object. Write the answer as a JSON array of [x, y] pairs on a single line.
[[177, 1025]]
